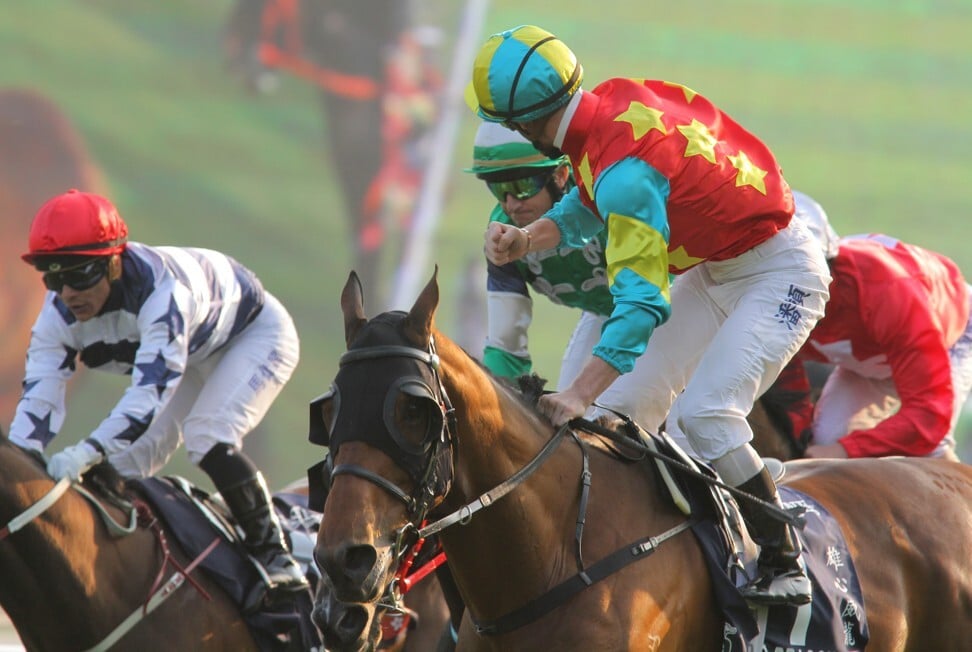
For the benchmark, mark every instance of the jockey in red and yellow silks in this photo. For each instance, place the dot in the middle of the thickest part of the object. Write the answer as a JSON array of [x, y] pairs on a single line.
[[681, 181], [678, 187]]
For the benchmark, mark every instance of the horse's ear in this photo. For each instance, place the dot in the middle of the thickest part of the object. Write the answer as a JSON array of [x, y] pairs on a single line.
[[418, 324], [352, 304]]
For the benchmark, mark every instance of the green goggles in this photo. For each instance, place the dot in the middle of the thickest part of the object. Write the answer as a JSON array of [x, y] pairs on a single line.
[[80, 277], [520, 188]]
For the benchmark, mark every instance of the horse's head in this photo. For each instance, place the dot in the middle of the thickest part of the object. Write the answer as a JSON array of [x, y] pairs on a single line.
[[386, 423]]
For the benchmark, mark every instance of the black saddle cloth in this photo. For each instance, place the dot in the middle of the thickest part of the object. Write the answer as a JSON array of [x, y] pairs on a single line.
[[228, 564]]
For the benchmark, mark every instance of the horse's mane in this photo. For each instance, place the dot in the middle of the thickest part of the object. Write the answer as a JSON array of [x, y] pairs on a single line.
[[107, 481], [531, 387]]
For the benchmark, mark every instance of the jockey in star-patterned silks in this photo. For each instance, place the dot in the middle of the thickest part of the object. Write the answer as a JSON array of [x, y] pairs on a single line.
[[681, 188], [207, 348]]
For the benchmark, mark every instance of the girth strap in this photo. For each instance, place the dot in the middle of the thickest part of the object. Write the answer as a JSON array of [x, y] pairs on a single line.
[[558, 595]]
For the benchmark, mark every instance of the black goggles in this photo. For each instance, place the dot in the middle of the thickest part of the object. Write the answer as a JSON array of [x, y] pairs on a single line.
[[520, 188], [80, 277]]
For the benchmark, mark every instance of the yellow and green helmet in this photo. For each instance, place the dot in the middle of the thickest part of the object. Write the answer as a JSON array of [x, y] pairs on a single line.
[[498, 149], [523, 74]]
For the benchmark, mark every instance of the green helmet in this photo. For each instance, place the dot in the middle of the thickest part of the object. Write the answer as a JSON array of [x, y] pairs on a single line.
[[498, 149], [523, 74]]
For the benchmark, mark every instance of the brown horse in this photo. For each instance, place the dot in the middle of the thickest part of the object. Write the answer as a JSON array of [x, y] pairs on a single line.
[[68, 583], [42, 154], [418, 429]]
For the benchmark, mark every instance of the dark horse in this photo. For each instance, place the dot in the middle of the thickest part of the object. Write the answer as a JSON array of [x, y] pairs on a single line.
[[42, 154], [419, 430], [379, 92], [772, 430], [68, 582]]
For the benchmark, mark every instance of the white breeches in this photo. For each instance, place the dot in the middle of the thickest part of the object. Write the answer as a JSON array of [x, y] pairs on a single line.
[[734, 326], [222, 398]]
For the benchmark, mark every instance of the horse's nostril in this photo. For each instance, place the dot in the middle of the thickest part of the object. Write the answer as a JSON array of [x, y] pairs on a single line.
[[353, 571], [360, 559], [353, 622]]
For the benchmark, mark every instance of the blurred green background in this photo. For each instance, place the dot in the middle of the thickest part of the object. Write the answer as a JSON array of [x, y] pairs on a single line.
[[866, 103]]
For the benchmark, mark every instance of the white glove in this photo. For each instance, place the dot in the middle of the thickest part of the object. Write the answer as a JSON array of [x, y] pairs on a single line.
[[73, 461]]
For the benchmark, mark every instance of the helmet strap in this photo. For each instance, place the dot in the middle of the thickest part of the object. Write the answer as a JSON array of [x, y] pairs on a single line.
[[114, 268]]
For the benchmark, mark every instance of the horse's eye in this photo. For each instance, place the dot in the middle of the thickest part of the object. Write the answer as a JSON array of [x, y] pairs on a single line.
[[414, 416]]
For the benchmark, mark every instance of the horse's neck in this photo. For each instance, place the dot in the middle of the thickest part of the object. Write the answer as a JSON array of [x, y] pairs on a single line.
[[497, 435], [493, 427]]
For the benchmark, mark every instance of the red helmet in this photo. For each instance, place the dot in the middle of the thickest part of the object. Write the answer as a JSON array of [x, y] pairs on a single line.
[[76, 224]]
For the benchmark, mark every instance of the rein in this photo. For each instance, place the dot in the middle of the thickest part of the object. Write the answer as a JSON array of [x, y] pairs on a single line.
[[115, 528], [465, 513], [36, 509]]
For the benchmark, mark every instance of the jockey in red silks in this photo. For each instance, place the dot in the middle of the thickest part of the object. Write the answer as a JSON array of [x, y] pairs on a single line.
[[898, 333]]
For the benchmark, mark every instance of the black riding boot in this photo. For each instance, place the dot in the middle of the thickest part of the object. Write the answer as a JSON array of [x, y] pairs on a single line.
[[782, 579], [250, 503], [245, 493]]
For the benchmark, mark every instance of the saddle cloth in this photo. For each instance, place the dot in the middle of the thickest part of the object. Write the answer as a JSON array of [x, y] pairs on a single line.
[[195, 519], [834, 621]]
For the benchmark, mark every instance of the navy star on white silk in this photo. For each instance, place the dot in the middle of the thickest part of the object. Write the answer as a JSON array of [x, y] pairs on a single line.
[[28, 385], [42, 429], [173, 319], [70, 355], [136, 426], [156, 373]]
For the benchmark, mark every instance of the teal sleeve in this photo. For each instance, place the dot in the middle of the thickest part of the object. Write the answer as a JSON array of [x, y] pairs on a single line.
[[634, 193], [577, 223]]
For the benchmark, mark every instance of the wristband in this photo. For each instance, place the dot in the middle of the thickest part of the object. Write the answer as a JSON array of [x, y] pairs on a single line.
[[95, 444]]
